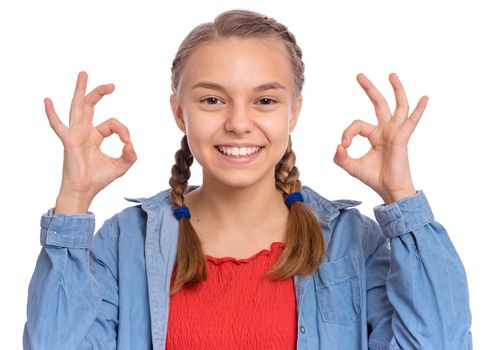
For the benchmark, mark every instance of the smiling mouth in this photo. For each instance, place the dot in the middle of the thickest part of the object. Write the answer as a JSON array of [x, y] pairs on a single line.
[[238, 151]]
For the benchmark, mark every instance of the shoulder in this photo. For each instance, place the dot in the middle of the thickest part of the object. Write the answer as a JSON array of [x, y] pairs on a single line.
[[157, 200], [155, 205], [135, 215], [345, 227], [328, 210], [128, 227]]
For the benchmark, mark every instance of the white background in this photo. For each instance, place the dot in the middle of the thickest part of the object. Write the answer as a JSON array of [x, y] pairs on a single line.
[[438, 49]]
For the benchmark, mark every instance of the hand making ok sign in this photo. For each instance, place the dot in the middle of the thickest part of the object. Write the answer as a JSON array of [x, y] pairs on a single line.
[[385, 167]]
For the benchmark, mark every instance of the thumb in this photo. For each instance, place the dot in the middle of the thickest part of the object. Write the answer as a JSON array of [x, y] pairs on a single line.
[[343, 160]]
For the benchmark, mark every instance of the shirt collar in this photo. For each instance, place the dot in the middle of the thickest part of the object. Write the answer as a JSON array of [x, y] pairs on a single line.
[[325, 209]]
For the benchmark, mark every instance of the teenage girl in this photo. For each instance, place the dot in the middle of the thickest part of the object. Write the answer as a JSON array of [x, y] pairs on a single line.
[[251, 259]]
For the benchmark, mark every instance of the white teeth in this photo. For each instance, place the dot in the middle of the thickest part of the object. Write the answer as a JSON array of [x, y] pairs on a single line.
[[238, 151]]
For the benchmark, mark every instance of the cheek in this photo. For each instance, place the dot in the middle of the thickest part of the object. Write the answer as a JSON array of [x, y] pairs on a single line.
[[200, 132], [277, 128], [197, 123], [277, 134]]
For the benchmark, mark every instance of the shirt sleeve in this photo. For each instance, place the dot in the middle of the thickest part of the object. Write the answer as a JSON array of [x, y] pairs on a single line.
[[417, 293], [73, 294]]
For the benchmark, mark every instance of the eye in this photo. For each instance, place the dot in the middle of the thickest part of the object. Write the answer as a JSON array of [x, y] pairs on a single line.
[[266, 101], [210, 100]]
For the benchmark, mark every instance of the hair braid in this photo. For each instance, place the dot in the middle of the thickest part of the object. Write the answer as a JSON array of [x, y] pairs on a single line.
[[181, 173], [190, 261], [287, 175], [304, 239]]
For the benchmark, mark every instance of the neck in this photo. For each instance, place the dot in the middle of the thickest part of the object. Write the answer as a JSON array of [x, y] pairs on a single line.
[[228, 212]]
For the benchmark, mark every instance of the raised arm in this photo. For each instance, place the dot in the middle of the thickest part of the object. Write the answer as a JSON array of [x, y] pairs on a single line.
[[417, 292], [73, 293]]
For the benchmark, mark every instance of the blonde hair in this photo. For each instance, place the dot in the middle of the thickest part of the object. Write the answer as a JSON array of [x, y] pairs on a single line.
[[304, 246]]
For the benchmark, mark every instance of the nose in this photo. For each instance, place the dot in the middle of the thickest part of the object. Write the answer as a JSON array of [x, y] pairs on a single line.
[[239, 119]]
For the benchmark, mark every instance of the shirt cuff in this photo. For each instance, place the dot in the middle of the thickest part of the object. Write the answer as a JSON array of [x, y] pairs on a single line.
[[67, 230], [404, 215]]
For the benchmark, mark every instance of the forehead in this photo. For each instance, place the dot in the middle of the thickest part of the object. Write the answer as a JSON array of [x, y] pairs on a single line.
[[238, 63]]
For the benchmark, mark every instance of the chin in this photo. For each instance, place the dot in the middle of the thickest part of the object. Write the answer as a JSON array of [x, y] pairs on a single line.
[[238, 179]]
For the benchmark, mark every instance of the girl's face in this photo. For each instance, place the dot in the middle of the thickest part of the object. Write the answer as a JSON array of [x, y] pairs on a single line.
[[237, 106]]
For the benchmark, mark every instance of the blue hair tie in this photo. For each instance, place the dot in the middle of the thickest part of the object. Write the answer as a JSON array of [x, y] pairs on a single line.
[[293, 197], [181, 212]]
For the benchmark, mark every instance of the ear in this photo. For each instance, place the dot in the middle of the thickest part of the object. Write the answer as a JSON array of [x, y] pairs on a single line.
[[178, 113], [295, 110]]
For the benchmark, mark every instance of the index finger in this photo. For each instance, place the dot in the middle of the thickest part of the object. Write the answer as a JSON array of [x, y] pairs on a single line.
[[96, 95], [76, 109], [381, 107]]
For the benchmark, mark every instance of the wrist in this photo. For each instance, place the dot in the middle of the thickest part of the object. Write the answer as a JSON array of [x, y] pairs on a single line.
[[72, 203], [395, 196]]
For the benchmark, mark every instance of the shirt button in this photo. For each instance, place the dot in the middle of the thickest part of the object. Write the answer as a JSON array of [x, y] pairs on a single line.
[[302, 329]]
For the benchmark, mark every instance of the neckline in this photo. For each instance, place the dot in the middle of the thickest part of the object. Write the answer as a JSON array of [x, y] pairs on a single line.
[[273, 247]]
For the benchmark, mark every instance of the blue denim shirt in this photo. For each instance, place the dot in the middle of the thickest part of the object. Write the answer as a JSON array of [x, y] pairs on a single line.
[[398, 284]]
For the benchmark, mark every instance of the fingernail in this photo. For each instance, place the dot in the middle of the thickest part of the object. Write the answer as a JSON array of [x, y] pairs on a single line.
[[344, 142]]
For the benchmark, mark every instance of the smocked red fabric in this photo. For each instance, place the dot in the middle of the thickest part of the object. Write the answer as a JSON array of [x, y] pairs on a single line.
[[237, 307]]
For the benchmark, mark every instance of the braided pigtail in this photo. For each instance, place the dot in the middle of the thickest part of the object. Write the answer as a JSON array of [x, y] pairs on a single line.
[[305, 246], [190, 261]]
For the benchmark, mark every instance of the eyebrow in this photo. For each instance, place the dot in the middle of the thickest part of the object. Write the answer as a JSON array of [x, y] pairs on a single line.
[[261, 87]]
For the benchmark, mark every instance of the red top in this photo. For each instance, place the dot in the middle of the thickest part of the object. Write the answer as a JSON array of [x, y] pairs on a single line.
[[237, 307]]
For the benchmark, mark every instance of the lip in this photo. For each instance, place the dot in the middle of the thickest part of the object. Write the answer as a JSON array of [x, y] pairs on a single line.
[[238, 159], [238, 145]]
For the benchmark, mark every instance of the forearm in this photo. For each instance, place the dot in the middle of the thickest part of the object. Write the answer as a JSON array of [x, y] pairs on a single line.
[[426, 283], [64, 298]]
